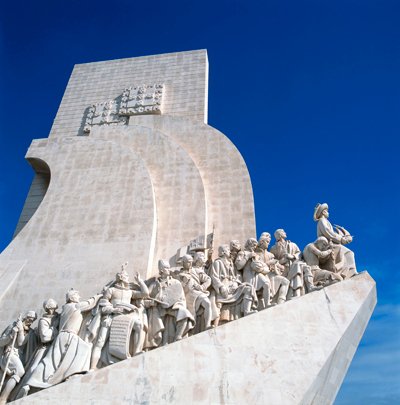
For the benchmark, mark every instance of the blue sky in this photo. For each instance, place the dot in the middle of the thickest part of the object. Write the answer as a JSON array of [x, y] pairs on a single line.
[[309, 91]]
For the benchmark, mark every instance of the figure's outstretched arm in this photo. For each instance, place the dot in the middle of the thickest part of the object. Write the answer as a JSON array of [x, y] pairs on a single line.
[[90, 303]]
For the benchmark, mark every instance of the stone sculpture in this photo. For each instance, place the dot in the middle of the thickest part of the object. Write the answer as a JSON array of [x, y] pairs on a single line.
[[199, 262], [169, 318], [153, 169], [234, 247], [342, 260], [279, 283], [316, 255], [12, 341], [233, 297], [254, 271], [195, 283], [120, 319], [69, 354], [46, 331], [128, 318], [296, 271]]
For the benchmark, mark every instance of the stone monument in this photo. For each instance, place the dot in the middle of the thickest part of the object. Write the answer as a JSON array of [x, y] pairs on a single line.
[[200, 311]]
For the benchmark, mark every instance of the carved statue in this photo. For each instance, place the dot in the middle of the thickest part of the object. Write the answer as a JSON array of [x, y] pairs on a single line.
[[233, 297], [195, 283], [68, 354], [279, 284], [119, 314], [12, 341], [169, 318], [316, 254], [254, 270], [235, 247], [199, 262], [47, 330], [289, 255], [128, 318], [342, 260]]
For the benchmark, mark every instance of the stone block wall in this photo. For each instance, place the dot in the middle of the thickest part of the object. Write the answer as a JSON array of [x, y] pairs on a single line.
[[184, 74]]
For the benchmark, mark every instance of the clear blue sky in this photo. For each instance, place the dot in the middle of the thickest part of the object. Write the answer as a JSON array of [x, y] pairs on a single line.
[[309, 91]]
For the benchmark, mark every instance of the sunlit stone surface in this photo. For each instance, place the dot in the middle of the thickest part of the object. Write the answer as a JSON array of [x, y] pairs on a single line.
[[132, 173], [295, 353]]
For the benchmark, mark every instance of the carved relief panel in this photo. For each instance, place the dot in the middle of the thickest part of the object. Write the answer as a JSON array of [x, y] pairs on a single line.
[[103, 114], [145, 99], [135, 100]]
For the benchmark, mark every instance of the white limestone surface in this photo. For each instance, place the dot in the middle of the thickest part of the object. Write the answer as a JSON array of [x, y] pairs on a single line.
[[295, 353], [89, 222], [180, 198], [226, 180], [184, 75]]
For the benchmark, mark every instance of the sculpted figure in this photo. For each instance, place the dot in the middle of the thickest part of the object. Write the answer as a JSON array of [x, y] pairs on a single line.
[[279, 284], [118, 312], [255, 271], [68, 354], [200, 262], [47, 330], [233, 297], [195, 284], [12, 341], [235, 247], [295, 270], [316, 254], [342, 261], [169, 318]]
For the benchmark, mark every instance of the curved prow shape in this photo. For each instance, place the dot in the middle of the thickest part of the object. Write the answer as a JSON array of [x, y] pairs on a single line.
[[37, 191]]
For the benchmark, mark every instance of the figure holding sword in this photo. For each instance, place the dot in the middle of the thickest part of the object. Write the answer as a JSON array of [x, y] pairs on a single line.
[[14, 337]]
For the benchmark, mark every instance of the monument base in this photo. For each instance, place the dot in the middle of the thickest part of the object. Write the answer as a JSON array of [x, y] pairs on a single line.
[[294, 353]]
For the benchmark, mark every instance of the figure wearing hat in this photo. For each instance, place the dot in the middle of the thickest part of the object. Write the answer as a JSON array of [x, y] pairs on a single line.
[[342, 258]]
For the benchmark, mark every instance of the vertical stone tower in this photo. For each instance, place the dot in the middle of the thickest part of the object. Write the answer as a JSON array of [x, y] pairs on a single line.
[[130, 172]]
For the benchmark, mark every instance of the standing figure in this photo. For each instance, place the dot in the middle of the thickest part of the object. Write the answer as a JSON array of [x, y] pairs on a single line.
[[316, 255], [279, 284], [195, 284], [68, 354], [255, 272], [169, 318], [234, 247], [342, 260], [47, 330], [12, 342], [289, 255], [233, 297], [118, 312]]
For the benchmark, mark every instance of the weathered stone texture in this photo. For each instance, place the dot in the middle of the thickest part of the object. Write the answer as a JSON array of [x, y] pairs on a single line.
[[226, 180], [90, 221], [295, 353], [185, 75], [134, 192]]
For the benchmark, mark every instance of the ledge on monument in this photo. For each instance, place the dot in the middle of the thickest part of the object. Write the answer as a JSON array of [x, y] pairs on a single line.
[[294, 353]]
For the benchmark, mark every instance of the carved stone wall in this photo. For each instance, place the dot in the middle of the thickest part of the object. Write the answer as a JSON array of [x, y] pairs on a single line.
[[133, 190], [184, 76]]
